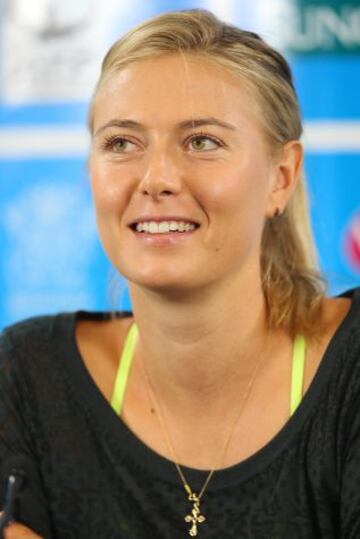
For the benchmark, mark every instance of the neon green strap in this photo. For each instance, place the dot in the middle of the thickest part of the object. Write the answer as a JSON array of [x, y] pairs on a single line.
[[124, 369], [297, 375]]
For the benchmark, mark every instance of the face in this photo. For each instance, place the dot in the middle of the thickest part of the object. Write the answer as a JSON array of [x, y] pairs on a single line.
[[181, 174]]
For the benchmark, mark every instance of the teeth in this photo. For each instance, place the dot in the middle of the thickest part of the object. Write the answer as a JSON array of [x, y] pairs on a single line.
[[173, 225], [163, 227], [151, 227]]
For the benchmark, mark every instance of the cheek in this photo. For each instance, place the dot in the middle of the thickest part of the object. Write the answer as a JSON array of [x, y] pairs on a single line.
[[234, 198], [233, 190], [109, 208], [108, 190]]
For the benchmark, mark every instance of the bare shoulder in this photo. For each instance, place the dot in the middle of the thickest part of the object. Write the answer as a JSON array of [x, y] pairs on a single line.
[[102, 334], [334, 312], [100, 344]]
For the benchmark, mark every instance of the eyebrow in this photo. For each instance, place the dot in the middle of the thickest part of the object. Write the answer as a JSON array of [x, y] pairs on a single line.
[[186, 124], [198, 122]]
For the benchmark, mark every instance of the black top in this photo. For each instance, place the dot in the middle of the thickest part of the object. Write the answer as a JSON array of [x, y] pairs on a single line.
[[92, 478]]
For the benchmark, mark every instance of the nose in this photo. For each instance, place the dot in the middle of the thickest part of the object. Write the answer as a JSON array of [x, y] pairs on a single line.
[[162, 175]]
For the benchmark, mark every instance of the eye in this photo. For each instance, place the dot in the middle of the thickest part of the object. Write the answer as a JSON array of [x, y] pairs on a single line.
[[119, 145], [202, 142]]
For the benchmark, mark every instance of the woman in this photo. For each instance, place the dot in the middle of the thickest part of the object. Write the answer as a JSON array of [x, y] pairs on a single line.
[[240, 417]]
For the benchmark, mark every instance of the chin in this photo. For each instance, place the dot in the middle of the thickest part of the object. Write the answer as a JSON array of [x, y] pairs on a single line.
[[159, 283]]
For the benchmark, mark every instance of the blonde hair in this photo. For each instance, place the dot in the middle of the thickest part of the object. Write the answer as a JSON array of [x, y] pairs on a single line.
[[293, 287]]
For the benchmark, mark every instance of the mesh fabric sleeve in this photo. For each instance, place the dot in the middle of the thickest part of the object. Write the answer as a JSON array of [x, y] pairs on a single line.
[[17, 429], [350, 477]]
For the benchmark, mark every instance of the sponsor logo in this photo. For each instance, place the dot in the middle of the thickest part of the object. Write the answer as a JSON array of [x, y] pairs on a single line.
[[352, 243], [330, 26]]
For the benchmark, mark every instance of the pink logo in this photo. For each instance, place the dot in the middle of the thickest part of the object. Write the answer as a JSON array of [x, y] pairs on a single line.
[[352, 243]]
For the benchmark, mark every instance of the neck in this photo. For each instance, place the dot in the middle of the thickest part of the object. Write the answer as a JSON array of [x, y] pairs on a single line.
[[198, 349]]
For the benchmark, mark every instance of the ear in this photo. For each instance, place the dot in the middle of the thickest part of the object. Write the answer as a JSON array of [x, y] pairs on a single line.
[[285, 175]]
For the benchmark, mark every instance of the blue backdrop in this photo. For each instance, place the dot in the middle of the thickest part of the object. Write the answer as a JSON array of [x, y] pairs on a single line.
[[51, 259]]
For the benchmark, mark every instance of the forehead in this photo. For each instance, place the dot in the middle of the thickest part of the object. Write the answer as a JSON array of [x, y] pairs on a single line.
[[174, 87]]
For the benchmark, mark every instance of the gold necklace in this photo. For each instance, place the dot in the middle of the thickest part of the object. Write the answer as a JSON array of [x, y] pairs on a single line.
[[196, 517]]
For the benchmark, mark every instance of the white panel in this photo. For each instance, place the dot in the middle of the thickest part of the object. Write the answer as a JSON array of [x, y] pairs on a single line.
[[33, 142]]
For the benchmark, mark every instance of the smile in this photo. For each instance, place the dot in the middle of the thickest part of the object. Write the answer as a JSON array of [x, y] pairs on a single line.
[[164, 227]]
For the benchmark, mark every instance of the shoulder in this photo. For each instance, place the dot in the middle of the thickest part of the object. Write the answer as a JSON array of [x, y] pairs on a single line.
[[30, 325], [342, 320], [24, 353], [342, 315], [40, 331], [336, 346], [31, 344], [26, 334], [100, 343], [31, 331], [102, 337]]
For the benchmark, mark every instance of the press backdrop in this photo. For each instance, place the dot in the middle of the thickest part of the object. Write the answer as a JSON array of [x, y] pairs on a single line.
[[50, 52]]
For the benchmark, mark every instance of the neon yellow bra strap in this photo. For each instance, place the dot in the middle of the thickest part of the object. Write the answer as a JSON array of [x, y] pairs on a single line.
[[122, 375], [124, 369], [297, 375]]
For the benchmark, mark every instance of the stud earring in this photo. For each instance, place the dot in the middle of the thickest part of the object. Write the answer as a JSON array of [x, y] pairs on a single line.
[[277, 213]]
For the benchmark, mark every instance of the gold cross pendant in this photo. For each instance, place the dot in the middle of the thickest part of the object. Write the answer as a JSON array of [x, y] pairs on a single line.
[[195, 518]]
